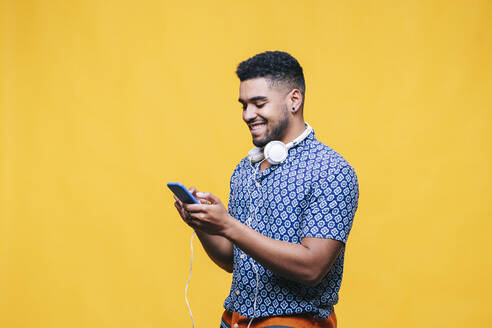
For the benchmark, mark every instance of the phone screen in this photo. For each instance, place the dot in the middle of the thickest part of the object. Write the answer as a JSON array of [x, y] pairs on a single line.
[[182, 193]]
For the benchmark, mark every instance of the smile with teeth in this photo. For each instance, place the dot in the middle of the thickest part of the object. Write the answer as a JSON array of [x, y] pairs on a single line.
[[257, 126]]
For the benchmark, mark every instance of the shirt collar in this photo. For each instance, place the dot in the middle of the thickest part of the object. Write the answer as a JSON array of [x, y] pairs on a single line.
[[293, 153]]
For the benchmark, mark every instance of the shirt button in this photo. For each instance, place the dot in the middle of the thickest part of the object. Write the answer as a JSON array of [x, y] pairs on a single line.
[[238, 292], [236, 325], [242, 256], [257, 184]]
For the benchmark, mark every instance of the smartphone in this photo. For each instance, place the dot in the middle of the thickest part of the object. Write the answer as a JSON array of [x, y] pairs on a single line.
[[182, 193]]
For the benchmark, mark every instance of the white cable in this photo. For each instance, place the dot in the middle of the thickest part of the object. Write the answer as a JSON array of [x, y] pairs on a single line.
[[256, 295], [188, 282], [254, 266], [256, 225]]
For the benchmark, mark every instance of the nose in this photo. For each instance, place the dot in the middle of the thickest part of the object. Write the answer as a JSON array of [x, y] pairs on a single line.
[[249, 113]]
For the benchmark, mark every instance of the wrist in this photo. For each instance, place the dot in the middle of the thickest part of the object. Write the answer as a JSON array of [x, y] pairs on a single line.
[[231, 228]]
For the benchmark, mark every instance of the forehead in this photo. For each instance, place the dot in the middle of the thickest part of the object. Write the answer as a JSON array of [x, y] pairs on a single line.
[[257, 87]]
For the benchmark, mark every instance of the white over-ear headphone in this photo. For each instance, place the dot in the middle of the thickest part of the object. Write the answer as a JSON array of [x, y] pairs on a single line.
[[275, 152]]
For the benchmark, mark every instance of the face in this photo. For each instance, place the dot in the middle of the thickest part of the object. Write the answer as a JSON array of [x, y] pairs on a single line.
[[265, 110]]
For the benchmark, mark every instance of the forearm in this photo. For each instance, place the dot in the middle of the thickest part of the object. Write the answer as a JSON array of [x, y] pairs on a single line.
[[292, 261], [307, 262], [218, 248]]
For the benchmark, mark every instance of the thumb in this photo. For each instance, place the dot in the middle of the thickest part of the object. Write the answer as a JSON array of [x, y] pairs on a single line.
[[208, 196], [192, 190]]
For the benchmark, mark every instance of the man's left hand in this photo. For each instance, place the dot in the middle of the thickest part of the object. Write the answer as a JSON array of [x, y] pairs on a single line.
[[211, 217]]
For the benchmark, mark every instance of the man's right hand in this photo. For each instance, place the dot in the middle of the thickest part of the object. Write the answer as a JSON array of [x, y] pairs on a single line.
[[218, 248], [182, 212]]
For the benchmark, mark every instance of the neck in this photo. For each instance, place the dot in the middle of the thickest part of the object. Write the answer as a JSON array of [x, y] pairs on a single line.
[[295, 129]]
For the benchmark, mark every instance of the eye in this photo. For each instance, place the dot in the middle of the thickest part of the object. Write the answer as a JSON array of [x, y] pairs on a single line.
[[260, 105]]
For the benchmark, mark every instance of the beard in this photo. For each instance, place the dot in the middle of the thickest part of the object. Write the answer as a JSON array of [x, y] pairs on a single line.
[[274, 129]]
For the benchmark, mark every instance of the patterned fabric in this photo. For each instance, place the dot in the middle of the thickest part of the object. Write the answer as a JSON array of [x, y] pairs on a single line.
[[303, 320], [313, 193]]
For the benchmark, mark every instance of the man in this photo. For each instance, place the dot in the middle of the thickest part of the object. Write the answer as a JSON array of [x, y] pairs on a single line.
[[283, 236]]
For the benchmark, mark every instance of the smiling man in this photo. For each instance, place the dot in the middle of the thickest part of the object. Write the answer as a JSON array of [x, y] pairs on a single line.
[[291, 206]]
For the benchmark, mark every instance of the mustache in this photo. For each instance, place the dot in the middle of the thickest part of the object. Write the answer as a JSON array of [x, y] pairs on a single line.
[[255, 121]]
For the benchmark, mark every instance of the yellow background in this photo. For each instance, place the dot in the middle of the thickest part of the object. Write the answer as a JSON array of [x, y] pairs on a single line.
[[103, 102]]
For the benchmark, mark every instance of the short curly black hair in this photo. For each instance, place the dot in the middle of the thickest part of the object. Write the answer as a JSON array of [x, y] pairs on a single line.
[[277, 66]]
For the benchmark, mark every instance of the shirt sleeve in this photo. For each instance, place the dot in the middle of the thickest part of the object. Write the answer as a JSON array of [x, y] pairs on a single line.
[[332, 205]]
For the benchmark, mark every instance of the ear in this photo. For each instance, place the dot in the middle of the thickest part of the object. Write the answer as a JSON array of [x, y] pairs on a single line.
[[294, 100]]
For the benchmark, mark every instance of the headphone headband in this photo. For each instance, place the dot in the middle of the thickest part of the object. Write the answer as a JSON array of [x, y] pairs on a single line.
[[300, 138]]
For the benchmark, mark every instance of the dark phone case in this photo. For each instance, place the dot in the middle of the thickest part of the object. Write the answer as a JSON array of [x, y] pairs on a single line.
[[182, 193]]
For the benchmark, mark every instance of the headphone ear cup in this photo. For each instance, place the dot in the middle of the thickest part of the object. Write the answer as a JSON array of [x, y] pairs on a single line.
[[275, 152], [255, 155]]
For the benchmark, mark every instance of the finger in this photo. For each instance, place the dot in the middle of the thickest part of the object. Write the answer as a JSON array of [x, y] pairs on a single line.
[[195, 224], [197, 217], [181, 211], [193, 207], [209, 197], [179, 201], [180, 208], [191, 222], [193, 190]]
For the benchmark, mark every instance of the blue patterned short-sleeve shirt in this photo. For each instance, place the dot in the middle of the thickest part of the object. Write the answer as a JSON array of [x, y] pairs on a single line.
[[313, 193]]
